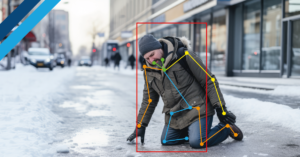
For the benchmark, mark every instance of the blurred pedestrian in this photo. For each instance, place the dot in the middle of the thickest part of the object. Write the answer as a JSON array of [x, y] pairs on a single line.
[[141, 59], [106, 62], [117, 58], [131, 60], [187, 115]]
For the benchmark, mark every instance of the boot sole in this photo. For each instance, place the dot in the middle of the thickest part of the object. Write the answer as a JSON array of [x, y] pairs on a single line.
[[238, 131]]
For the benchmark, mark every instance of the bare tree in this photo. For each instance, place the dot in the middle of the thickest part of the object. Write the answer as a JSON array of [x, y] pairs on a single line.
[[94, 29]]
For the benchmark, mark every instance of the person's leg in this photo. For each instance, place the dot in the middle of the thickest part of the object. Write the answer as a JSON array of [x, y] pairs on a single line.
[[194, 133], [132, 66], [172, 136]]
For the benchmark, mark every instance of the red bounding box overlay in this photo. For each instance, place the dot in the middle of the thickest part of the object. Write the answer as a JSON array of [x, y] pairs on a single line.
[[192, 23]]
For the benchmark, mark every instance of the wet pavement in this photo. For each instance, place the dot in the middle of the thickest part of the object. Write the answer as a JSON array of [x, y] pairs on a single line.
[[99, 112]]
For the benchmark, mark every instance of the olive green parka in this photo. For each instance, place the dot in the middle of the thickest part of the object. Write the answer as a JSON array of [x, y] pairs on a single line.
[[191, 85]]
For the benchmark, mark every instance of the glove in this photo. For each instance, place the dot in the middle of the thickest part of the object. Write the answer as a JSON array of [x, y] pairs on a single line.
[[141, 133], [229, 118]]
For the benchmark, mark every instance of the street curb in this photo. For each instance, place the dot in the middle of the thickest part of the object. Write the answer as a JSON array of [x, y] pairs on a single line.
[[244, 86]]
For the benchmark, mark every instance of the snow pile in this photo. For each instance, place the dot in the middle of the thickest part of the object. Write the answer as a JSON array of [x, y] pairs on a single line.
[[27, 124], [287, 90], [118, 147], [255, 110], [279, 90], [62, 149]]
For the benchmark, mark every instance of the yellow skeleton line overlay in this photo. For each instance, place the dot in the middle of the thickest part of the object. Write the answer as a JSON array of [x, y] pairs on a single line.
[[197, 108]]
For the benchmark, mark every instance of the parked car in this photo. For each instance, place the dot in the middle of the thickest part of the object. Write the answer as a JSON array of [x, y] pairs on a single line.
[[41, 58], [65, 56], [61, 60], [85, 61]]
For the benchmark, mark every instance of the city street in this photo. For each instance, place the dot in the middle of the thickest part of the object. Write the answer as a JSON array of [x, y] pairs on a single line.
[[69, 85], [98, 112], [91, 112]]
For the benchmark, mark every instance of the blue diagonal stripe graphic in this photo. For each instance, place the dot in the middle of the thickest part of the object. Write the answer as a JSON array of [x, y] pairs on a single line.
[[16, 16], [26, 26]]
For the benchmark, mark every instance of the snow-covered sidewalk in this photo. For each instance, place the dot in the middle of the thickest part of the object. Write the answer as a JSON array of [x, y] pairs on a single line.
[[262, 83], [27, 123]]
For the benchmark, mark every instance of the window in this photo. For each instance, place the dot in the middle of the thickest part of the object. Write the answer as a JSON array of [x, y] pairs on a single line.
[[218, 43], [165, 32], [271, 46], [173, 31], [157, 34], [251, 36], [203, 42], [292, 7], [295, 71], [197, 38], [183, 30]]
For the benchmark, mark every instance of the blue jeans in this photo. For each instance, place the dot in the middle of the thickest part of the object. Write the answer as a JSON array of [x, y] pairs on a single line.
[[193, 134]]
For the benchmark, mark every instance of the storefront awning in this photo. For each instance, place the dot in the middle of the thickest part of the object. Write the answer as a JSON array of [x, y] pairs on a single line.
[[30, 37]]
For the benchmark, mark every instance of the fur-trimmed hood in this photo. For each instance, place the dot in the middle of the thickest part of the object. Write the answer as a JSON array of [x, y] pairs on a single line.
[[186, 42]]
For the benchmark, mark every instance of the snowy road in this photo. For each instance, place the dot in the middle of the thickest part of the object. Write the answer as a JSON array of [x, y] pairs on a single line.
[[98, 111], [91, 111]]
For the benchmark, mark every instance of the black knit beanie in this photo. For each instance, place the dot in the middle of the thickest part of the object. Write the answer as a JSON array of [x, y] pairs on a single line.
[[148, 43]]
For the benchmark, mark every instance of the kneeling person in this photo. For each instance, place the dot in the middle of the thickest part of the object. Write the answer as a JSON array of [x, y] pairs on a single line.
[[183, 91]]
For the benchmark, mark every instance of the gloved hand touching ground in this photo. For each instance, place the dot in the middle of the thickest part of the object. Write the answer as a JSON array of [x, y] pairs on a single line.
[[141, 133], [228, 118]]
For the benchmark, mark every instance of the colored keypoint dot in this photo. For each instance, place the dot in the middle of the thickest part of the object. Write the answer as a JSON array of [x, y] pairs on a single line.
[[162, 59], [186, 52], [213, 79], [150, 100], [164, 141], [186, 138], [144, 66], [227, 125], [235, 134], [223, 113], [139, 125], [201, 144], [198, 108], [153, 62], [164, 69], [190, 107], [171, 113]]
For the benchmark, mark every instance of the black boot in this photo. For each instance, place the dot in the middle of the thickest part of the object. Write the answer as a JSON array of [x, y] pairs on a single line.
[[238, 133]]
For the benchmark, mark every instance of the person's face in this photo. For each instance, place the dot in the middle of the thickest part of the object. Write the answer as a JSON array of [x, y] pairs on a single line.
[[154, 55]]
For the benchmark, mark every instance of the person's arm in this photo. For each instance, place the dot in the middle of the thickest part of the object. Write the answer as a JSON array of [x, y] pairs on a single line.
[[200, 75], [145, 116], [154, 96]]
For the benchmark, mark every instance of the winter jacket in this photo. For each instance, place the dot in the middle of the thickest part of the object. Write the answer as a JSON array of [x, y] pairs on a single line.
[[117, 58], [191, 84], [131, 59]]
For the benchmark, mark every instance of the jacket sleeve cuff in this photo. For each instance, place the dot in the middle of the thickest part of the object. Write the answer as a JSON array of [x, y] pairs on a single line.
[[218, 105], [143, 124]]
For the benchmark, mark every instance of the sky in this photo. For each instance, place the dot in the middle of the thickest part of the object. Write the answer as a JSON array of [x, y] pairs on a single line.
[[82, 15]]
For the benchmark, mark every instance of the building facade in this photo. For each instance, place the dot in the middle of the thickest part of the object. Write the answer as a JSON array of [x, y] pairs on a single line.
[[59, 31], [51, 32], [258, 38]]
